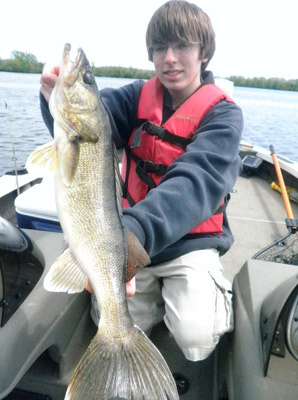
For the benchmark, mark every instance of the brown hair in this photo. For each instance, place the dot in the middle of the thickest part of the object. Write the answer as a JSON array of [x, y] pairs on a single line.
[[180, 21]]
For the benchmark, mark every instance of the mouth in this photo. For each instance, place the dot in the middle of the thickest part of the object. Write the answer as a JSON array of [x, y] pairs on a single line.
[[72, 62], [71, 58], [172, 72]]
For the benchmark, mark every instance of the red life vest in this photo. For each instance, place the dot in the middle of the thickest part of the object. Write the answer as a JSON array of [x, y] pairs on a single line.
[[152, 147]]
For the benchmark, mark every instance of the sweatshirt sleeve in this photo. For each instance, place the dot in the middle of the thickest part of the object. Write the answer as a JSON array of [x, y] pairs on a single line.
[[46, 115], [194, 185]]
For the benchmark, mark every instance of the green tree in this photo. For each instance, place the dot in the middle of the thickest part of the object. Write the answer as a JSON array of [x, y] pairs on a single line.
[[24, 61], [24, 57]]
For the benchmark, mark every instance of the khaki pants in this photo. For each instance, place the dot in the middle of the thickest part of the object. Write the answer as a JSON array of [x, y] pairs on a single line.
[[192, 296]]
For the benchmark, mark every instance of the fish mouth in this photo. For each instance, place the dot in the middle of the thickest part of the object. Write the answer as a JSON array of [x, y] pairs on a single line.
[[72, 65]]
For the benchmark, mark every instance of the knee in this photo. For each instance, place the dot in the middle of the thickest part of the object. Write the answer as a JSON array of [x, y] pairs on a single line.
[[197, 333], [196, 340], [189, 333]]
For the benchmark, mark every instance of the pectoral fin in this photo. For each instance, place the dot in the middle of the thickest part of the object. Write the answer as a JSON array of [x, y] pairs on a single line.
[[43, 159], [68, 159], [137, 256], [65, 275]]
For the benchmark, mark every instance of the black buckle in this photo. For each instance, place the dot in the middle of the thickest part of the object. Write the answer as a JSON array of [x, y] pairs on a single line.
[[148, 126], [154, 129], [161, 133], [149, 166], [151, 129]]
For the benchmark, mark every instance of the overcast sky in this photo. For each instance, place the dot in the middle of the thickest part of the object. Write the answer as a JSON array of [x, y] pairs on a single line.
[[254, 37]]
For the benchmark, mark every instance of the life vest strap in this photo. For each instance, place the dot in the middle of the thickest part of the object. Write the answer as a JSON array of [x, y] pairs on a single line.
[[149, 166], [143, 167], [129, 199], [223, 207], [161, 133]]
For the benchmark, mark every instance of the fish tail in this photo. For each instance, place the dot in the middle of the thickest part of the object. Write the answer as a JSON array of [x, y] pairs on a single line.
[[126, 369]]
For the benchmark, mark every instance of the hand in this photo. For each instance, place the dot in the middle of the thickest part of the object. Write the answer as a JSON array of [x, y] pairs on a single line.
[[130, 287], [48, 79]]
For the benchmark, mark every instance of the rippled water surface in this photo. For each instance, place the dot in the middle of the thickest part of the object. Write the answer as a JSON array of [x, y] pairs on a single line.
[[271, 117]]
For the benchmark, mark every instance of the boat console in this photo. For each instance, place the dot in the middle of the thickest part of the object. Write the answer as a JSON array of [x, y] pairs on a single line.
[[261, 361]]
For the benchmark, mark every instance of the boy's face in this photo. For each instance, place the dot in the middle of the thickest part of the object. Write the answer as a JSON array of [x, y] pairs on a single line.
[[178, 69]]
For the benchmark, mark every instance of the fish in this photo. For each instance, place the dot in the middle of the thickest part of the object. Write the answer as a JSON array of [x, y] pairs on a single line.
[[121, 362]]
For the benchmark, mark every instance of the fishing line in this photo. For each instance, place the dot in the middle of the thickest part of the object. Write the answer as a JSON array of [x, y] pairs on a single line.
[[14, 158]]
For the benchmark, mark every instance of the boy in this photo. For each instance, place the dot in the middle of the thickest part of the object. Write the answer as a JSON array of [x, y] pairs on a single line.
[[181, 135]]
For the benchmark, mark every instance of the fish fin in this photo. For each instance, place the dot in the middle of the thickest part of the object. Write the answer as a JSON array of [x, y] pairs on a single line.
[[65, 275], [43, 159], [129, 368], [137, 255], [69, 159]]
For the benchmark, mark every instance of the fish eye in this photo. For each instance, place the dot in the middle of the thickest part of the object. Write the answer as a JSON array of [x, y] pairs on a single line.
[[88, 78]]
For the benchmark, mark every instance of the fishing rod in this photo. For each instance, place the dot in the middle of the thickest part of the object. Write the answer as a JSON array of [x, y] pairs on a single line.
[[290, 221], [282, 250]]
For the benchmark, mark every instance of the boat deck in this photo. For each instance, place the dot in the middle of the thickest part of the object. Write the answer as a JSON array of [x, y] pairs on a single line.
[[257, 218]]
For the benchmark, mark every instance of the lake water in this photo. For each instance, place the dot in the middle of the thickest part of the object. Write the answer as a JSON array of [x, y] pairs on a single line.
[[271, 117]]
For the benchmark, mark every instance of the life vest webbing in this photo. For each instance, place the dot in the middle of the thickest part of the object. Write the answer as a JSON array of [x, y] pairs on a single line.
[[161, 133], [144, 166]]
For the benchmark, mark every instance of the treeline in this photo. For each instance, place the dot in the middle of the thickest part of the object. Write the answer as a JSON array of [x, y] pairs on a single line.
[[263, 83], [27, 62], [122, 72], [21, 62]]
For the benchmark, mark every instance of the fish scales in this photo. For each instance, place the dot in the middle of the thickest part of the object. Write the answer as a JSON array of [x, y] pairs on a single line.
[[121, 362], [96, 242]]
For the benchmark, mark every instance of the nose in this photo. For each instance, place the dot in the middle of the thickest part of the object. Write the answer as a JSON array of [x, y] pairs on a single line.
[[170, 55]]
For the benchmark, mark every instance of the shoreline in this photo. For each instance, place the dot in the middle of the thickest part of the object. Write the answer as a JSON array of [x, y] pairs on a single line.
[[134, 73]]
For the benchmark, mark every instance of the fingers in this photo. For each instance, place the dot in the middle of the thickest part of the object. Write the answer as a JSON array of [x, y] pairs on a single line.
[[131, 287], [48, 79], [89, 287]]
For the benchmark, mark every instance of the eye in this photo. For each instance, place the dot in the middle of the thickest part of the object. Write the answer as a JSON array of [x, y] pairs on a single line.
[[88, 78], [160, 49], [184, 46]]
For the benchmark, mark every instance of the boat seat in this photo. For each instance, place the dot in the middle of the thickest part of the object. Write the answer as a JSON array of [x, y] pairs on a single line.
[[11, 238]]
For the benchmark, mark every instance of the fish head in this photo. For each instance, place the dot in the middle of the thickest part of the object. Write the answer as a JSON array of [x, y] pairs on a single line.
[[76, 108], [74, 100]]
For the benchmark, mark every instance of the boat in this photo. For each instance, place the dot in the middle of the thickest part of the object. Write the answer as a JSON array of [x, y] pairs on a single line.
[[43, 335]]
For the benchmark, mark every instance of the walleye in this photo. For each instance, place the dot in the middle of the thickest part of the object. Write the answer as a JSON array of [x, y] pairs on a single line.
[[120, 362]]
